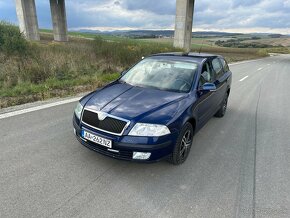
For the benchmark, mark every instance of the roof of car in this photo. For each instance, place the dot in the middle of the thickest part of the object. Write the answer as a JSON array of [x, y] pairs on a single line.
[[199, 57]]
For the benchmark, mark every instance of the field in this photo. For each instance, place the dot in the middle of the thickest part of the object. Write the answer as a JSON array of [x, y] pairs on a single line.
[[33, 71], [285, 41], [207, 45]]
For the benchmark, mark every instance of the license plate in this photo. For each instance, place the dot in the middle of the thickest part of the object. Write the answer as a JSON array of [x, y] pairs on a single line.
[[97, 139]]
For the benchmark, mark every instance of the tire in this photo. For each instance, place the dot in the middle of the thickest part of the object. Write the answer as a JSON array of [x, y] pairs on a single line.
[[183, 145], [222, 111]]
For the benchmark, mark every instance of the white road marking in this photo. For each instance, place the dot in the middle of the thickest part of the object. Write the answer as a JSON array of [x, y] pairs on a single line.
[[260, 69], [41, 107], [241, 80]]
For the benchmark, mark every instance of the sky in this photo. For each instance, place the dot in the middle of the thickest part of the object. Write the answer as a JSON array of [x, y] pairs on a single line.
[[268, 16]]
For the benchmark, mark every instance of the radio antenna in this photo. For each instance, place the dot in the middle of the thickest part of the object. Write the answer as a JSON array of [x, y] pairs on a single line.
[[201, 44]]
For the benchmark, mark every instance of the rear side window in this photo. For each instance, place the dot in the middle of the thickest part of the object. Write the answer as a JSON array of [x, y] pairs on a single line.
[[207, 75], [225, 65], [218, 68]]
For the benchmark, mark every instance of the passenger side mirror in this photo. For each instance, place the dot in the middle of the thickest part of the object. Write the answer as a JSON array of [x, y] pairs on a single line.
[[209, 87]]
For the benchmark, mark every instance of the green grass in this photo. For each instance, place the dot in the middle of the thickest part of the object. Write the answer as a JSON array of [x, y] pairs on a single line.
[[27, 88], [71, 34], [85, 35], [28, 92]]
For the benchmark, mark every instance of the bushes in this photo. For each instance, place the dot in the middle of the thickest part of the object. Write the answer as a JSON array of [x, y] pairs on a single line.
[[11, 40], [237, 43], [38, 70], [43, 61]]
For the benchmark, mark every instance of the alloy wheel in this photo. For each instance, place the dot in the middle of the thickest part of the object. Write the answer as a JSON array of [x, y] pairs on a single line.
[[185, 144], [225, 105]]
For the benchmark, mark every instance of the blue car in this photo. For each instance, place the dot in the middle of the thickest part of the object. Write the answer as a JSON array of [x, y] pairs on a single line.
[[154, 109]]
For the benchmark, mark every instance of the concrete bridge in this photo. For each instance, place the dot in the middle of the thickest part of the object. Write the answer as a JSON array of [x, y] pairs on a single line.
[[28, 24], [27, 16]]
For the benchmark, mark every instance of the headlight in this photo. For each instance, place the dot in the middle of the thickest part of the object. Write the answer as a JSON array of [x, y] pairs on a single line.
[[78, 110], [149, 130]]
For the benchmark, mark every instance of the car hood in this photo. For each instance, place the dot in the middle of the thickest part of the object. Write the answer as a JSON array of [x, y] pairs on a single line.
[[135, 103]]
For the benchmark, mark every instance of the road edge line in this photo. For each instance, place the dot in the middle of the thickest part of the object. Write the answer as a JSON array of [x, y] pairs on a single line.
[[37, 108]]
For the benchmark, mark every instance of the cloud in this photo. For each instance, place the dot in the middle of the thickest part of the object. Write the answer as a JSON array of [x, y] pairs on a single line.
[[287, 4], [114, 14], [263, 14], [224, 15], [164, 7]]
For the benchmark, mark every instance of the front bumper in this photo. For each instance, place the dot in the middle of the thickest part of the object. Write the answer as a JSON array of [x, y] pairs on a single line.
[[124, 146]]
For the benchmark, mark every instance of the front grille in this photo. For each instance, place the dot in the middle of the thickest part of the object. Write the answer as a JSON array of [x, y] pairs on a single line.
[[109, 124]]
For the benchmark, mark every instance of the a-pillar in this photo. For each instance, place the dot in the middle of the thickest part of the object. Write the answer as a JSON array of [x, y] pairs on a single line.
[[58, 15], [183, 24], [27, 17]]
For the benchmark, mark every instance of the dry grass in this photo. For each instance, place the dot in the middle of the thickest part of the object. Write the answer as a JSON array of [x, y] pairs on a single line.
[[52, 69], [285, 41]]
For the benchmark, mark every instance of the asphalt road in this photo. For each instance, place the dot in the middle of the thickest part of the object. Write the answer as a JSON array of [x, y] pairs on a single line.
[[239, 165]]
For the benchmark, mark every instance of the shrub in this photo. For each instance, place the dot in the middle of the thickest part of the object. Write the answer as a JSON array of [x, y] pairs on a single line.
[[12, 41]]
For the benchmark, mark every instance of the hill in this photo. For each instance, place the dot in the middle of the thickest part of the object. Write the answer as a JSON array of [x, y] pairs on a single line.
[[170, 33]]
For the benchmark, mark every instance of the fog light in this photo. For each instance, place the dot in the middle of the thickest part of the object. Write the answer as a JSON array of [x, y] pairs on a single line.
[[141, 155], [75, 132]]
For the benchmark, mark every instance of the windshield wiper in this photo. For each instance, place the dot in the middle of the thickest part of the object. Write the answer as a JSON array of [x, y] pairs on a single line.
[[123, 82]]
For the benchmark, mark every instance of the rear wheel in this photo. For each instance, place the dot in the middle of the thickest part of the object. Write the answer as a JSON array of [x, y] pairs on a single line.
[[222, 111], [183, 145]]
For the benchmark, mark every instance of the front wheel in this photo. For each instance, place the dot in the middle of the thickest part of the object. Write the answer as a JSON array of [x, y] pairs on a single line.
[[222, 111], [183, 145]]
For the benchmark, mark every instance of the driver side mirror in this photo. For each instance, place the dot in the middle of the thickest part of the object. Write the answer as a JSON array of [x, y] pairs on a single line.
[[209, 87]]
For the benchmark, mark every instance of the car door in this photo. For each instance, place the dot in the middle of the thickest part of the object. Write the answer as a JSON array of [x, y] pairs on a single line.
[[206, 99], [220, 81]]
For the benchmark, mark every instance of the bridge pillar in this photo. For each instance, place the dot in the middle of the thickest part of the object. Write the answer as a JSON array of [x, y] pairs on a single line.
[[27, 17], [59, 21], [183, 24]]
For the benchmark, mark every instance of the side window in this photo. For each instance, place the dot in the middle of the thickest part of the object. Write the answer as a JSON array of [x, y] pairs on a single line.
[[225, 65], [217, 67], [207, 75]]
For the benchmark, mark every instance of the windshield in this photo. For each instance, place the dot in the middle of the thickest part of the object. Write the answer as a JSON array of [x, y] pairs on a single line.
[[170, 75]]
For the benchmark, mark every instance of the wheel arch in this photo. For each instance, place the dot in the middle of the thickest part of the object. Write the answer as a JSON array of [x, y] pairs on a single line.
[[229, 90], [192, 121]]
